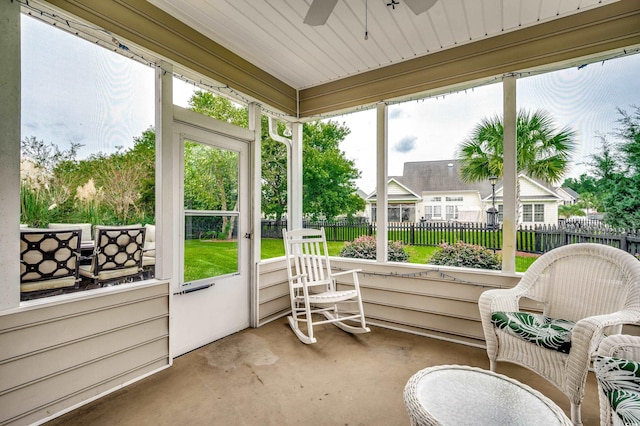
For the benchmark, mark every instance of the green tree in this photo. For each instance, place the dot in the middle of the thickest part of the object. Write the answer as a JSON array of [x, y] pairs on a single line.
[[629, 133], [143, 154], [46, 156], [568, 210], [329, 178], [44, 193], [583, 184], [543, 152], [219, 108], [590, 202], [274, 178], [622, 201], [105, 189], [604, 165]]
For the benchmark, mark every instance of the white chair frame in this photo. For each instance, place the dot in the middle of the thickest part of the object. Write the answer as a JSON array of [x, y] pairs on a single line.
[[313, 287], [594, 285], [617, 346]]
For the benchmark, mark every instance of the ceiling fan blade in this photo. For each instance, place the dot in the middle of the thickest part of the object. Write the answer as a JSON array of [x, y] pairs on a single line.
[[319, 12], [420, 6]]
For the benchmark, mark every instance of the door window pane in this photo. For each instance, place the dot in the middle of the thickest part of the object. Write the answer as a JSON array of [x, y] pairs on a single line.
[[211, 211], [210, 246]]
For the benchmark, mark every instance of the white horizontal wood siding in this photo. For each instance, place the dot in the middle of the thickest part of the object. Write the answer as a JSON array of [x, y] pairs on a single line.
[[436, 302], [551, 213], [273, 290], [394, 189], [58, 355], [530, 190]]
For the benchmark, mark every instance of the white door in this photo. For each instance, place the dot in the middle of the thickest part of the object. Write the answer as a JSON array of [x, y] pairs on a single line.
[[213, 297]]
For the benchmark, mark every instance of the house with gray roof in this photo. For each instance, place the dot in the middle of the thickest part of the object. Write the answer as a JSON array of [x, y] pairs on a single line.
[[434, 191], [568, 195]]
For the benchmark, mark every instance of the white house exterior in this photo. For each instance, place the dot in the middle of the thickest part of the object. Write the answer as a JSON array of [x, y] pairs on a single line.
[[568, 195], [434, 191], [403, 203], [538, 203], [445, 197]]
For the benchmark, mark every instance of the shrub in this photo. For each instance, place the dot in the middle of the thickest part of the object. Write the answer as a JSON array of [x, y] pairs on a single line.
[[466, 255], [364, 247], [396, 252]]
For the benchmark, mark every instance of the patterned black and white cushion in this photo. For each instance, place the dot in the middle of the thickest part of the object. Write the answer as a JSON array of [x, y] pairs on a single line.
[[550, 333], [619, 379]]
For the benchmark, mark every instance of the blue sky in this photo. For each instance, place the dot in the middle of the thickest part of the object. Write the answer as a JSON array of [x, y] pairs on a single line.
[[73, 91], [431, 129]]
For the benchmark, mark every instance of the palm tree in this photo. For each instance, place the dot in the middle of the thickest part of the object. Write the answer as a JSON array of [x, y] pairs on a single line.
[[543, 153]]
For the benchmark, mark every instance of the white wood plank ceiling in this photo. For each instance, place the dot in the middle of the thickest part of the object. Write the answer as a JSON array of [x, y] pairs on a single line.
[[271, 33]]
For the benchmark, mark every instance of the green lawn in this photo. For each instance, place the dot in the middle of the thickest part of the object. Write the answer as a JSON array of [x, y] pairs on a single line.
[[213, 258], [417, 254], [203, 259]]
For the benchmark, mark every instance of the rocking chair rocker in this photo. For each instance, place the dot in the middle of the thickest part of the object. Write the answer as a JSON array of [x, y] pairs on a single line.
[[313, 287]]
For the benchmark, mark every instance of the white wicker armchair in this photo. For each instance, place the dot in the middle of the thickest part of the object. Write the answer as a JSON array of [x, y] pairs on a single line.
[[593, 285], [617, 369]]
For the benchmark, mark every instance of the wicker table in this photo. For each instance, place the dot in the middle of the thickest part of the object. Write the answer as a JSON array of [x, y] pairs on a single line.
[[462, 395]]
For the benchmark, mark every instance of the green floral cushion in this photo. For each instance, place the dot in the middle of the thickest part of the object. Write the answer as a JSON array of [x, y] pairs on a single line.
[[619, 379], [550, 333]]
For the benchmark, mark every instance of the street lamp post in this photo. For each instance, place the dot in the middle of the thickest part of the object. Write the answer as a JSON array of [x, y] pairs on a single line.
[[492, 212]]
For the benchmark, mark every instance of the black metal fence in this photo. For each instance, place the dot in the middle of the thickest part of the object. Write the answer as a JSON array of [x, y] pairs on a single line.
[[531, 239]]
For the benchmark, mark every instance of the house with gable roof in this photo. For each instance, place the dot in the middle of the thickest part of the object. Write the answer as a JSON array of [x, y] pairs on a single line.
[[538, 202], [568, 195], [402, 203], [434, 191]]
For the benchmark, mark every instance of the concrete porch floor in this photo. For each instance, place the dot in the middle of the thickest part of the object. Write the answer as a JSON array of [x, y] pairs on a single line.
[[265, 376]]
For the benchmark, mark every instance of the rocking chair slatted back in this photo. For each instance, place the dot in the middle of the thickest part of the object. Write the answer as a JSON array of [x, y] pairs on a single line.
[[310, 258], [312, 287]]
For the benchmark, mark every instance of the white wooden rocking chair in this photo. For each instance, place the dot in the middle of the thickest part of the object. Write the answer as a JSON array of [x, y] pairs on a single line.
[[313, 288]]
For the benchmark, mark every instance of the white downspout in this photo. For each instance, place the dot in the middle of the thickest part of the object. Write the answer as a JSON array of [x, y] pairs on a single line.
[[295, 215], [294, 171]]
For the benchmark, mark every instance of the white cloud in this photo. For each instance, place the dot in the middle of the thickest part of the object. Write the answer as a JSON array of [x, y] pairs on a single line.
[[585, 100], [405, 145]]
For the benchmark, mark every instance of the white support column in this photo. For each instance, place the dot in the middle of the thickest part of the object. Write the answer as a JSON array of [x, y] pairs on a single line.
[[167, 174], [294, 218], [10, 155], [381, 184], [255, 153], [510, 177]]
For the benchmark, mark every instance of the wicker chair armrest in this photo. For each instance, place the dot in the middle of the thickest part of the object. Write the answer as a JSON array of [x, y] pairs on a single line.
[[585, 339], [503, 300], [620, 346], [591, 329]]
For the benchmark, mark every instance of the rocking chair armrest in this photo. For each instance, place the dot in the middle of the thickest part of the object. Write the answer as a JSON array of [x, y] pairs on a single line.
[[350, 271], [297, 277]]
